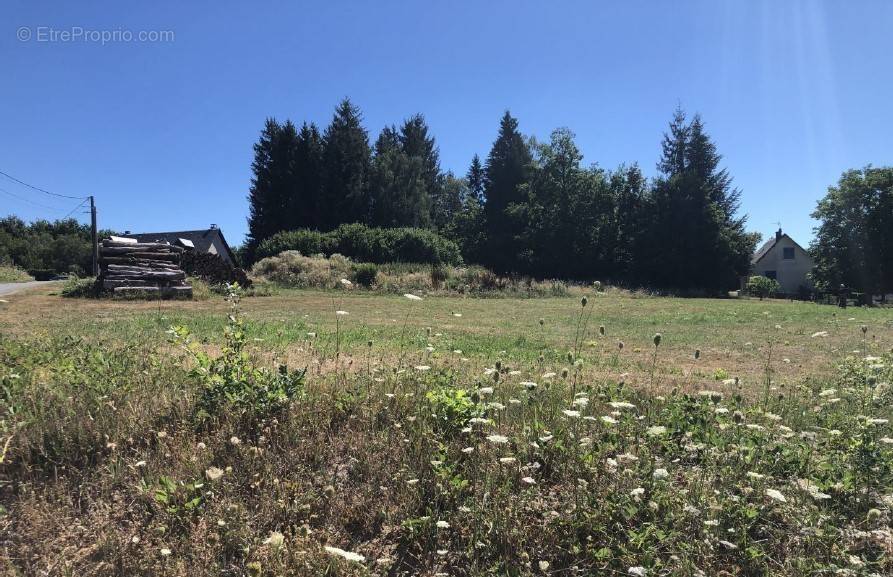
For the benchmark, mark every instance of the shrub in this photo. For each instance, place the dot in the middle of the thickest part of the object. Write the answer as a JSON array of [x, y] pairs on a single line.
[[232, 381], [365, 274], [76, 287], [762, 286], [291, 268], [13, 274], [365, 244]]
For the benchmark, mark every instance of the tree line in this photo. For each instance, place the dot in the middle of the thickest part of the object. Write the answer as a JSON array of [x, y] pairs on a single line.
[[44, 248], [528, 208]]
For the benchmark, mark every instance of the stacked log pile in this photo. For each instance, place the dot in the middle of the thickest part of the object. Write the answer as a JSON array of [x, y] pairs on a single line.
[[142, 269]]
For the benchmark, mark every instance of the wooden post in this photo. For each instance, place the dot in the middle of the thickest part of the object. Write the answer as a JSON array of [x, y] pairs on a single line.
[[95, 237]]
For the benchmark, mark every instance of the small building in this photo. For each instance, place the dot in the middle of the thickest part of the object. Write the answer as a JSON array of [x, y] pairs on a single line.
[[210, 241], [786, 261]]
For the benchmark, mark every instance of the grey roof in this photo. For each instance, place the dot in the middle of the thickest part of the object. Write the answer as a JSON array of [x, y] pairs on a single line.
[[767, 246], [201, 240]]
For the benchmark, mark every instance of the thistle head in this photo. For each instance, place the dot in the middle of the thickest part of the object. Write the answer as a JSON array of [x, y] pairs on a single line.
[[584, 300], [657, 338]]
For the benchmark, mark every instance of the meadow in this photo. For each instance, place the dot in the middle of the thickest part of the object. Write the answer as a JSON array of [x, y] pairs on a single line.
[[344, 432]]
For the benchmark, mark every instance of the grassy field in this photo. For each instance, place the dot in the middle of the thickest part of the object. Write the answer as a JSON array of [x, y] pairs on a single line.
[[444, 436]]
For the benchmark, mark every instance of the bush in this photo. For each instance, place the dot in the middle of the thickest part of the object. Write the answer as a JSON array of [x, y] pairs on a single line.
[[365, 244], [291, 268], [13, 274], [365, 274], [81, 288], [232, 381], [762, 286]]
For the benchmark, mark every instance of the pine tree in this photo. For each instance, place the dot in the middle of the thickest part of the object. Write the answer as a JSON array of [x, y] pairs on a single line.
[[416, 142], [507, 168], [397, 185], [304, 208], [475, 179], [692, 238], [346, 160], [272, 183]]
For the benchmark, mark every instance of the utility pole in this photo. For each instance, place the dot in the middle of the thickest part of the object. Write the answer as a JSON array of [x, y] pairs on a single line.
[[95, 239]]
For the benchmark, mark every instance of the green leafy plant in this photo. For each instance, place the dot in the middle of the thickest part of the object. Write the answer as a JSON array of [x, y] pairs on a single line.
[[232, 380], [762, 286]]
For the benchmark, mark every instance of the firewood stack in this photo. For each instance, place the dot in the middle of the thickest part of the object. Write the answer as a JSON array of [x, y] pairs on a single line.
[[149, 269]]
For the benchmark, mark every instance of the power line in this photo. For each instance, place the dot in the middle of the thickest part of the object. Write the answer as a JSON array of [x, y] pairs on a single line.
[[29, 201], [75, 208], [40, 189]]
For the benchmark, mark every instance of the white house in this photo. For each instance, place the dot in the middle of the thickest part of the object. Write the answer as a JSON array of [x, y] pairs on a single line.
[[784, 260]]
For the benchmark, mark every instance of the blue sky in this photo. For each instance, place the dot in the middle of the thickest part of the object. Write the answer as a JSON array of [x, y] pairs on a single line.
[[161, 132]]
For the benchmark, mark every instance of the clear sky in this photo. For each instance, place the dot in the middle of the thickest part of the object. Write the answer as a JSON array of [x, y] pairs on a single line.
[[161, 132]]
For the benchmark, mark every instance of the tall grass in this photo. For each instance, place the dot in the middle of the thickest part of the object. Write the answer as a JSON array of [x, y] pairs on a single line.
[[447, 466]]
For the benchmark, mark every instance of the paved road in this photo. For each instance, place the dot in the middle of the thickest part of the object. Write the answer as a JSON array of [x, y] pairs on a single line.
[[14, 287]]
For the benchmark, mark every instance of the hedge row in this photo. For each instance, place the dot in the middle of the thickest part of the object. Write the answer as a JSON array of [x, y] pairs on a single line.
[[365, 244]]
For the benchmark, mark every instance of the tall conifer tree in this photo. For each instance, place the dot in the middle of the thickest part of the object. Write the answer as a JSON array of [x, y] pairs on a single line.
[[346, 160], [508, 167]]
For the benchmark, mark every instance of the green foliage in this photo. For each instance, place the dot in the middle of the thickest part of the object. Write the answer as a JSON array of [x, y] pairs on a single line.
[[76, 287], [532, 209], [45, 248], [13, 274], [762, 286], [452, 408], [377, 245], [691, 237], [854, 242], [365, 274], [232, 381]]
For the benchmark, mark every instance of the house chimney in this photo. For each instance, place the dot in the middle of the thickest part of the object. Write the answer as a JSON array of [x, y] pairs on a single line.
[[778, 235], [213, 226], [126, 232]]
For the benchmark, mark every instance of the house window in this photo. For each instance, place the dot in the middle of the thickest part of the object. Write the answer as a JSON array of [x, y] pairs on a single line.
[[770, 274], [788, 253]]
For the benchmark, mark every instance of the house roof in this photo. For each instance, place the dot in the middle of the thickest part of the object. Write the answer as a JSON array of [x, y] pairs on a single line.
[[200, 240], [769, 244]]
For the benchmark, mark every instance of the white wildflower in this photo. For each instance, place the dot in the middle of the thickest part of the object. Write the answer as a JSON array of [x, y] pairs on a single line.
[[341, 313], [213, 473], [637, 571], [621, 405], [443, 525], [498, 439], [276, 539], [528, 481], [820, 334], [412, 297], [165, 552], [656, 431], [423, 368], [661, 474], [349, 555], [345, 282], [608, 420], [776, 495]]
